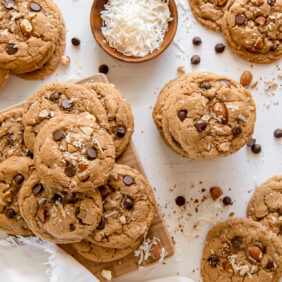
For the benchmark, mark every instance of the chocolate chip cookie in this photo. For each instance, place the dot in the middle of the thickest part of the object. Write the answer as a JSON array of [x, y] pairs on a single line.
[[54, 99], [241, 250], [58, 216], [252, 28], [101, 254], [209, 12], [11, 135], [266, 204], [73, 153], [14, 172], [205, 116], [28, 33], [128, 203], [118, 111]]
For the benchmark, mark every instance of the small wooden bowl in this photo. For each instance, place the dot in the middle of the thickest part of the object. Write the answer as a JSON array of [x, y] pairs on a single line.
[[96, 24]]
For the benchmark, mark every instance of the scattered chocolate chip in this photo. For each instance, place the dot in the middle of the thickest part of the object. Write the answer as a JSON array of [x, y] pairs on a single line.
[[251, 142], [70, 171], [182, 114], [205, 85], [213, 260], [195, 60], [236, 241], [37, 189], [55, 96], [256, 148], [35, 7], [103, 69], [197, 41], [277, 133], [271, 2], [66, 105], [236, 130], [19, 178], [227, 201], [11, 49], [270, 265], [128, 202], [75, 41], [102, 223], [57, 198], [10, 139], [180, 201], [58, 135], [72, 227], [121, 132], [91, 153], [240, 19], [10, 213], [9, 4], [219, 48], [200, 125], [227, 82], [127, 180]]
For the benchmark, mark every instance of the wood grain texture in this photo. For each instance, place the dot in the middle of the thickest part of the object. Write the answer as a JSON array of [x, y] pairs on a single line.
[[158, 228]]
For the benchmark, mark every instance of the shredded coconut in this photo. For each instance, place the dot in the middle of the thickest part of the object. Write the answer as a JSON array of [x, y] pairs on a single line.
[[135, 27]]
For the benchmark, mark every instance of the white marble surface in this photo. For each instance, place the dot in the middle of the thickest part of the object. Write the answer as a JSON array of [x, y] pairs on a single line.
[[140, 84]]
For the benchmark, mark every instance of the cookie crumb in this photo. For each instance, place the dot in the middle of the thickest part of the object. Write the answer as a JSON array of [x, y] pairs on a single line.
[[65, 60], [181, 70], [107, 274]]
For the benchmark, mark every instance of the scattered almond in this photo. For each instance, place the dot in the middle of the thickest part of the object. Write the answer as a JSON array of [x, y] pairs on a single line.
[[256, 253], [246, 78], [254, 84], [215, 192], [260, 20], [156, 250], [227, 266], [42, 215], [65, 60], [181, 70], [26, 27], [220, 112], [259, 43]]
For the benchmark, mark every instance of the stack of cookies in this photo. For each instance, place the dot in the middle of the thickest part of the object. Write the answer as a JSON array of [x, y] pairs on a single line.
[[251, 28], [32, 35], [58, 175], [204, 115]]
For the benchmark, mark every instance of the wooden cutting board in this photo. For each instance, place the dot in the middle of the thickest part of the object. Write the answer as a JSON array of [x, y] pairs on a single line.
[[158, 228]]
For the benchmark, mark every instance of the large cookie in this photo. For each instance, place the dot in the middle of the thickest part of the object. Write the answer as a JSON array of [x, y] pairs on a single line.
[[56, 216], [101, 254], [209, 12], [54, 99], [241, 250], [266, 204], [11, 135], [205, 116], [128, 203], [253, 29], [73, 153], [118, 111], [14, 172], [28, 34]]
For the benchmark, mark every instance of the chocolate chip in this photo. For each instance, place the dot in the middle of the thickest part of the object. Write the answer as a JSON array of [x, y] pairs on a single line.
[[70, 171], [10, 213], [57, 198], [121, 132], [213, 260], [180, 201], [128, 202], [127, 180], [251, 142], [10, 139], [58, 135], [182, 114], [35, 7], [277, 133], [11, 49], [197, 41], [227, 82], [219, 48], [274, 47], [19, 178], [227, 201], [72, 227], [75, 41], [30, 154], [236, 241], [271, 2], [55, 96], [195, 60], [201, 125], [256, 148], [66, 105], [236, 130], [103, 69], [9, 4], [37, 189], [102, 223], [91, 153], [240, 19], [205, 85], [270, 265]]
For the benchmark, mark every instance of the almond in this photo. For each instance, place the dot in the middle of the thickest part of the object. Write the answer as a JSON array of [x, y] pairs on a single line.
[[220, 112], [181, 70], [156, 250], [260, 20], [246, 78], [42, 215], [220, 3], [215, 192], [227, 266], [259, 43], [8, 196], [26, 27], [71, 148], [82, 167], [256, 253]]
